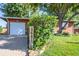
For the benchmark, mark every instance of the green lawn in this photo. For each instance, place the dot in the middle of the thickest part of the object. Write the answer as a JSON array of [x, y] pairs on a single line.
[[63, 46]]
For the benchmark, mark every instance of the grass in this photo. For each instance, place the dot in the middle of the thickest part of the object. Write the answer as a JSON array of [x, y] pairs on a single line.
[[63, 46]]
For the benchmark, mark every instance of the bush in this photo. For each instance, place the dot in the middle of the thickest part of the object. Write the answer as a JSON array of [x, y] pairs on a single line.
[[1, 28], [43, 26], [65, 34]]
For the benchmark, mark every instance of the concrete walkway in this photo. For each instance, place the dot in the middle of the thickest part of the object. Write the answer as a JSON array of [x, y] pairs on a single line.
[[13, 46]]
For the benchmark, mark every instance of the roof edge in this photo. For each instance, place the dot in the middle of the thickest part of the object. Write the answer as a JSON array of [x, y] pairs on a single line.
[[13, 18]]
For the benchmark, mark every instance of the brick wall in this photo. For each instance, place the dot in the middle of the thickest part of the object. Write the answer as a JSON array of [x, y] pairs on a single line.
[[70, 28], [76, 31]]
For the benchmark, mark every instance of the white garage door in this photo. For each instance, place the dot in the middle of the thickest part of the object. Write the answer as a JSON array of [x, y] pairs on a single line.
[[17, 28]]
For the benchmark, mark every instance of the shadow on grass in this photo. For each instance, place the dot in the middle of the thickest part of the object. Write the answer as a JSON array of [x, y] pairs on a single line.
[[73, 42]]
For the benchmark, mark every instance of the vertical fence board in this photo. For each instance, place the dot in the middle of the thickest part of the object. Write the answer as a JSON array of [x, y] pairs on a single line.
[[31, 36]]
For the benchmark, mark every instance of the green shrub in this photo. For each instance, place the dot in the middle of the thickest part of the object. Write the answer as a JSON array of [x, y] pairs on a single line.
[[65, 34], [1, 28], [43, 26]]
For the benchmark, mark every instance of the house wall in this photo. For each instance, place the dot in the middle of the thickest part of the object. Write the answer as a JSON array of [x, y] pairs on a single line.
[[70, 28], [11, 20], [76, 31]]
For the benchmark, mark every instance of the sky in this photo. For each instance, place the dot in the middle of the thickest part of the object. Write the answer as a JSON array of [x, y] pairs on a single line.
[[2, 22]]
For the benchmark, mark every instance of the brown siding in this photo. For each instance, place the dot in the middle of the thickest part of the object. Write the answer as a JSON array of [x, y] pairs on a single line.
[[18, 20]]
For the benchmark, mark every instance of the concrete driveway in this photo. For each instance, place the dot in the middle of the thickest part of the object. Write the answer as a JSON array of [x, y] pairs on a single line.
[[13, 45]]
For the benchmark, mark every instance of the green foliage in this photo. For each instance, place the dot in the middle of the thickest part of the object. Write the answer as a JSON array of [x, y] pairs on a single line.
[[1, 28], [58, 8], [65, 34], [15, 10], [71, 11], [68, 15], [63, 46], [43, 26], [19, 9]]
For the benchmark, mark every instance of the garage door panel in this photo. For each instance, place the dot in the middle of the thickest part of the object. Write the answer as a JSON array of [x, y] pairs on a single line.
[[17, 28]]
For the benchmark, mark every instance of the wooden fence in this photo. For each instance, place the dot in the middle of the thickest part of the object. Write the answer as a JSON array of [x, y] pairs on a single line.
[[31, 36]]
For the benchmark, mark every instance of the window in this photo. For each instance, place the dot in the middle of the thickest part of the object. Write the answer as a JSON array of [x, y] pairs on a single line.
[[64, 24]]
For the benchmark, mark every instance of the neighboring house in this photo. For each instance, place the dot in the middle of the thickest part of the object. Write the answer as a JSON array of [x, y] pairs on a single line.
[[72, 27]]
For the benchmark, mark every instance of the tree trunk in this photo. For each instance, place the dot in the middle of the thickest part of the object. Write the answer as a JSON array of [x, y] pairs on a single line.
[[61, 22], [60, 25]]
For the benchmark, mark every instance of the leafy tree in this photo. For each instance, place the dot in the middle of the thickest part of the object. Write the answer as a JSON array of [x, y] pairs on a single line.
[[19, 9], [15, 10], [60, 10]]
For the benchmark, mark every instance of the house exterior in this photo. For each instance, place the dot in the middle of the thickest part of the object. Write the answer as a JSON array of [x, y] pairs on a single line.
[[15, 26], [70, 27]]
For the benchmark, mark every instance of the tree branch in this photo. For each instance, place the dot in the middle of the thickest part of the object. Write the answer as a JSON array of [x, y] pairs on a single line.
[[76, 13]]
